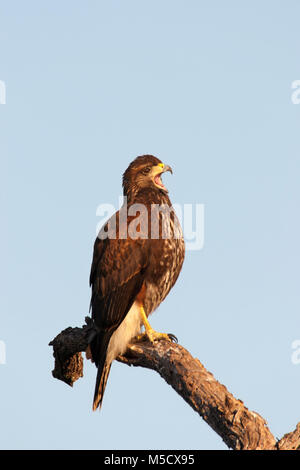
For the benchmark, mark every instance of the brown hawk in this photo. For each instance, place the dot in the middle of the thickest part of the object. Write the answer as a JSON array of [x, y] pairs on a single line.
[[137, 258]]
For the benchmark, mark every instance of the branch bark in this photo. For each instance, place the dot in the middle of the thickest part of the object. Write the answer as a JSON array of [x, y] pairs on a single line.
[[240, 428]]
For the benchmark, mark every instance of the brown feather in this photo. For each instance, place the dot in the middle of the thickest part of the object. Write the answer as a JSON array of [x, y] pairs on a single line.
[[124, 269]]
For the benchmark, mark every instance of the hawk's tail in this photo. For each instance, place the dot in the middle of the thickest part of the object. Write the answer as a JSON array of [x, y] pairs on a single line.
[[102, 376], [99, 346]]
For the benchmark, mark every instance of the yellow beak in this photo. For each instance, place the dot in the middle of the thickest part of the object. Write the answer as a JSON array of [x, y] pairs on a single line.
[[162, 168]]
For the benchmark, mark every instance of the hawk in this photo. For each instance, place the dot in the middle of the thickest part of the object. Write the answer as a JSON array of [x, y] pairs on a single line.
[[137, 258]]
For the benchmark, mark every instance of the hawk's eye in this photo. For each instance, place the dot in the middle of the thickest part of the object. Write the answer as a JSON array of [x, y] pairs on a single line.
[[146, 170]]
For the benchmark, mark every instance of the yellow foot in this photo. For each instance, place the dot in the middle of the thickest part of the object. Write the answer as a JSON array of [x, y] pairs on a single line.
[[152, 336]]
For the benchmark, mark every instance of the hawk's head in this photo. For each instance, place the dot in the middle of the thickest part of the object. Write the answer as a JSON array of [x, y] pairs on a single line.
[[145, 172]]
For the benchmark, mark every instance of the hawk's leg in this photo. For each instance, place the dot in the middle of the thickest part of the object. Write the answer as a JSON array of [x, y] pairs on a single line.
[[150, 333]]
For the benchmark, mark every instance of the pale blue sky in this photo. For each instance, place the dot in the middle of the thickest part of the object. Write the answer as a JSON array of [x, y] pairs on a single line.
[[205, 86]]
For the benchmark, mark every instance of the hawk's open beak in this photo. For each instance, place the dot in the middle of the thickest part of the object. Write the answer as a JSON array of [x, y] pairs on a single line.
[[167, 168], [158, 170]]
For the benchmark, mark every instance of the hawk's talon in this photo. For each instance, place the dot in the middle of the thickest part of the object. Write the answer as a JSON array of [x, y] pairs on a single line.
[[173, 338], [153, 336]]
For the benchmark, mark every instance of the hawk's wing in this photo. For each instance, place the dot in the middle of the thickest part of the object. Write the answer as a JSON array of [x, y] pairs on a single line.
[[116, 278]]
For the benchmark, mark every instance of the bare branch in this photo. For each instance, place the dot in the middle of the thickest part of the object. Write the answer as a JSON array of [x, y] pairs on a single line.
[[67, 348], [290, 441], [240, 428]]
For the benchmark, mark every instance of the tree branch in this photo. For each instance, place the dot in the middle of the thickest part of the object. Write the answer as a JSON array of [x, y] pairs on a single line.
[[240, 428]]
